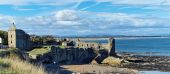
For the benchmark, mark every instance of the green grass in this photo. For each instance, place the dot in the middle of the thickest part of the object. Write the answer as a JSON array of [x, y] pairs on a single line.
[[10, 63], [62, 47], [4, 64], [40, 51]]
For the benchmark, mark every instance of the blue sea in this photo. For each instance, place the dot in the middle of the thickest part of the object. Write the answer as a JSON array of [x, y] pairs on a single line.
[[147, 46], [150, 46]]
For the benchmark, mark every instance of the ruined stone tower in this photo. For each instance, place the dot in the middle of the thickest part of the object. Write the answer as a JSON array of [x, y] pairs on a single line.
[[112, 46], [18, 38]]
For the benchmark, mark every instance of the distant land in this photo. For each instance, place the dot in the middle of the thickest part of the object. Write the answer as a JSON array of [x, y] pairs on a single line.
[[101, 36], [105, 36]]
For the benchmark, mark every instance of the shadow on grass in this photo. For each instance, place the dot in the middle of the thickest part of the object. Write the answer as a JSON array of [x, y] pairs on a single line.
[[4, 64]]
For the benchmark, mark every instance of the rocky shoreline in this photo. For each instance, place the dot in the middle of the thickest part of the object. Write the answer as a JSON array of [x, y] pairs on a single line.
[[158, 63], [130, 65]]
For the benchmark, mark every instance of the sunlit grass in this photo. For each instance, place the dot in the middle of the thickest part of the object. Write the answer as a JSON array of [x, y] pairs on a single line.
[[62, 47], [17, 66], [40, 51]]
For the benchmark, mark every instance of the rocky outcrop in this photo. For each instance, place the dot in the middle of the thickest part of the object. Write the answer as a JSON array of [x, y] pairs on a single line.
[[112, 61]]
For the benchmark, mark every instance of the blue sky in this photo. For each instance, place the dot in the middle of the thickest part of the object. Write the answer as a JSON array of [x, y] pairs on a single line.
[[87, 17]]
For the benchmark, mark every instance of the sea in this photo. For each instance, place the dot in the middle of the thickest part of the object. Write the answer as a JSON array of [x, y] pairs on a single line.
[[143, 46], [147, 46]]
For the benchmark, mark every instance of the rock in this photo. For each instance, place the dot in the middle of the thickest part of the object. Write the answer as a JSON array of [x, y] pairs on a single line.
[[94, 62], [112, 61]]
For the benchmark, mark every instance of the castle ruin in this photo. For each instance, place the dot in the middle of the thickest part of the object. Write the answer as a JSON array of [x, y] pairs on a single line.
[[109, 46]]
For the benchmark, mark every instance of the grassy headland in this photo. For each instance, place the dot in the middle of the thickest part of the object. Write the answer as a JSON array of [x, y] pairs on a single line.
[[40, 51]]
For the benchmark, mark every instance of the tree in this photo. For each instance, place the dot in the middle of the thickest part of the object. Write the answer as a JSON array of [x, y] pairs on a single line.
[[36, 40], [4, 36], [49, 40], [43, 40]]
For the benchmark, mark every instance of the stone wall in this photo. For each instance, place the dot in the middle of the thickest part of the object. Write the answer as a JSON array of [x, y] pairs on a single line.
[[109, 46], [73, 55], [88, 45]]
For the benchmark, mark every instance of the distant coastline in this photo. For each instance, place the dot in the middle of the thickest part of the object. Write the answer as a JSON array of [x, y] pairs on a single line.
[[106, 36], [141, 37]]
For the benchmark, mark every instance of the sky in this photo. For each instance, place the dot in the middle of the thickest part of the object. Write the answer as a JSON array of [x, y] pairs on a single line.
[[87, 17]]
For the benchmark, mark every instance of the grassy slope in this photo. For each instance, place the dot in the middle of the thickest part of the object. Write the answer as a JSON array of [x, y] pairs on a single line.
[[12, 64], [17, 66], [40, 51]]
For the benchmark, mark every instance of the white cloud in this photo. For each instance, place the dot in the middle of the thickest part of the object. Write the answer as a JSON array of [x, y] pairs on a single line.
[[66, 15], [83, 22]]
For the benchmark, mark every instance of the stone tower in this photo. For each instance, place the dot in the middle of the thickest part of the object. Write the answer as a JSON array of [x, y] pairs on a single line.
[[12, 36], [112, 46], [18, 39]]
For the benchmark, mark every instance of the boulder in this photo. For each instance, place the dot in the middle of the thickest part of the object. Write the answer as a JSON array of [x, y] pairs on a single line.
[[112, 61]]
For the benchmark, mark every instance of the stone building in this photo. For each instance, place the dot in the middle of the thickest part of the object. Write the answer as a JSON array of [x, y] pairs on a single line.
[[67, 42], [109, 46], [82, 44], [84, 52], [17, 38]]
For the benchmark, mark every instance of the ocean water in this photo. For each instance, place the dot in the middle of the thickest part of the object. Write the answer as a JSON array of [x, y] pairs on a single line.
[[153, 72], [150, 46]]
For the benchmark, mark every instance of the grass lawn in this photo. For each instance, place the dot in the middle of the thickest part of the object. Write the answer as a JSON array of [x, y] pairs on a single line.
[[40, 51], [62, 47]]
